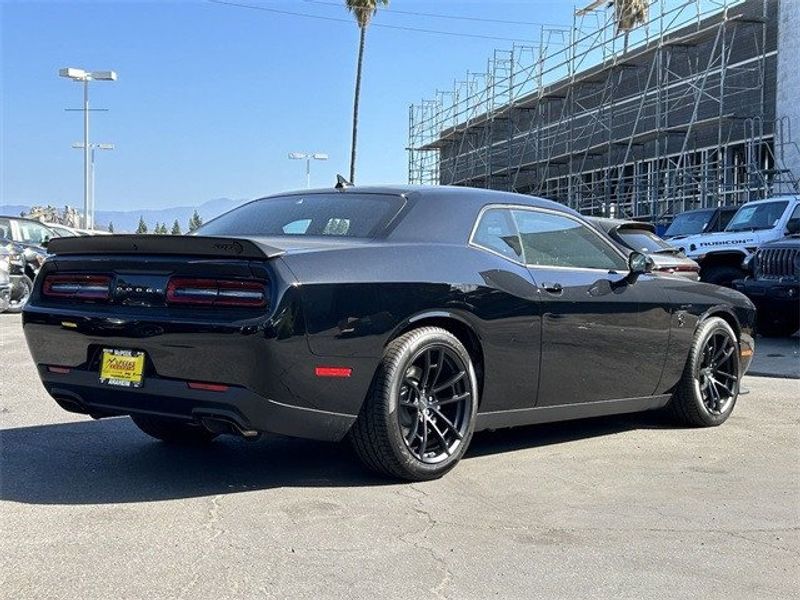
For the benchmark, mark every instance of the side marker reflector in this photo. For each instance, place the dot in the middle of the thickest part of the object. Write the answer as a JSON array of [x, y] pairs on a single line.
[[61, 370], [333, 371], [746, 352], [208, 387]]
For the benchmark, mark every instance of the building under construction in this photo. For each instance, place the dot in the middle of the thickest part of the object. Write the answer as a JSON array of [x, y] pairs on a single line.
[[672, 109]]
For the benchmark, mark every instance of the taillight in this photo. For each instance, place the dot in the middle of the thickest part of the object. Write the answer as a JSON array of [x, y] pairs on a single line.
[[216, 292], [78, 286]]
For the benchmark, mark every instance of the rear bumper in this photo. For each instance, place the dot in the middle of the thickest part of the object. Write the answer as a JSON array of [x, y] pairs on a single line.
[[81, 391]]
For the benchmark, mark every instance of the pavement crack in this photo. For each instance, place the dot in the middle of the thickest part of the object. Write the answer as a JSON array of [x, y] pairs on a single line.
[[439, 590]]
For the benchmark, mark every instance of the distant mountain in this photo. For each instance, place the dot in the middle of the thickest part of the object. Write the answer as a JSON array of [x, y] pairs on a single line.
[[128, 220]]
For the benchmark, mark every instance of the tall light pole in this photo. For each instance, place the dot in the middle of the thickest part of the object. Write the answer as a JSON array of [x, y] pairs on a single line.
[[92, 147], [85, 77], [308, 157]]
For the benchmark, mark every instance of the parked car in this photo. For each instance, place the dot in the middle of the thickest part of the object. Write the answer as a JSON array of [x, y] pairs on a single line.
[[403, 318], [774, 284], [5, 280], [641, 237], [700, 220], [25, 231], [721, 254], [24, 264]]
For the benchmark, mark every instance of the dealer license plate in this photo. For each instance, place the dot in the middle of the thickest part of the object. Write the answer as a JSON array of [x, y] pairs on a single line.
[[122, 367]]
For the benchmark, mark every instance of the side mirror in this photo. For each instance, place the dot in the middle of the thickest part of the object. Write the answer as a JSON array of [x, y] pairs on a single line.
[[639, 264], [45, 242], [793, 226]]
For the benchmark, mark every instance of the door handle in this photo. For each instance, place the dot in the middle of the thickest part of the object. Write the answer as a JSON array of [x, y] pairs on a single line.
[[552, 288]]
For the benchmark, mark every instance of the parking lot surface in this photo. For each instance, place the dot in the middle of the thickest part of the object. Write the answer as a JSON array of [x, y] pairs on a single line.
[[622, 507]]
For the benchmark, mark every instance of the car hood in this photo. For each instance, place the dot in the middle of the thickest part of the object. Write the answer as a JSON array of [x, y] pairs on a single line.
[[696, 245]]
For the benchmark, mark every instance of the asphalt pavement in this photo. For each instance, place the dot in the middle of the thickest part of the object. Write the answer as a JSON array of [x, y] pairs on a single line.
[[619, 507]]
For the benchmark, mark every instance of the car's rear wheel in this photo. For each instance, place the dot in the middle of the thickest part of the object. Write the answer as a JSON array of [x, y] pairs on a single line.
[[173, 431], [708, 390], [419, 415]]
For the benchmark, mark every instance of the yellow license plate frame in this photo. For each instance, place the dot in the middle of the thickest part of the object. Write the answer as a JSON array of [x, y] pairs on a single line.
[[123, 368]]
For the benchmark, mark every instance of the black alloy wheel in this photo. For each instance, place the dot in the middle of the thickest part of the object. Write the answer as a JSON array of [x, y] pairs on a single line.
[[717, 378], [418, 418], [709, 387], [435, 399]]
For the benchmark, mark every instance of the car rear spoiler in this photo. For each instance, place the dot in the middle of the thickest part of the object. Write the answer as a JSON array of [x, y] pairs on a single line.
[[187, 245]]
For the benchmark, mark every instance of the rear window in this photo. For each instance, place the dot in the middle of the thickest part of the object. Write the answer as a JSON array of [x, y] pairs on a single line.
[[642, 240], [318, 215]]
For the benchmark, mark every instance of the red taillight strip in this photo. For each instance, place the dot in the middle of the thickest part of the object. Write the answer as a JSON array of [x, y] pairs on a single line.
[[77, 285], [208, 387], [333, 371], [216, 292], [59, 370]]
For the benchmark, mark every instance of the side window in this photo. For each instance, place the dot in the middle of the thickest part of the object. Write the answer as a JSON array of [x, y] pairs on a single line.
[[557, 241], [33, 233], [496, 231]]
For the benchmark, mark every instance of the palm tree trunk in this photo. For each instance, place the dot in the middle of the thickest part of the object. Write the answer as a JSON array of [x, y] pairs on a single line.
[[356, 99]]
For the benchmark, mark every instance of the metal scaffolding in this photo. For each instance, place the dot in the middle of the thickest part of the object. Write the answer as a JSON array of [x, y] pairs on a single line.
[[674, 114]]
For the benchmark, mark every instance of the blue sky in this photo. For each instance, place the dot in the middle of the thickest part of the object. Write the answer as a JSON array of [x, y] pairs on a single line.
[[211, 98]]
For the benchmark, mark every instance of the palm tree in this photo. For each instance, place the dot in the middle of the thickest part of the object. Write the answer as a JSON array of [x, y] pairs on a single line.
[[363, 10]]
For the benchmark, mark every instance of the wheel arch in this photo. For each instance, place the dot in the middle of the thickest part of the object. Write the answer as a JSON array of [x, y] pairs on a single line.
[[456, 324], [724, 313], [729, 257]]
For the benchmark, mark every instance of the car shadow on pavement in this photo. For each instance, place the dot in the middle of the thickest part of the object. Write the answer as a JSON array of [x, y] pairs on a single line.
[[110, 461]]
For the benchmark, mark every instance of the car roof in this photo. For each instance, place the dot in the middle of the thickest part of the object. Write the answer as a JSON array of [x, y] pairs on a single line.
[[464, 194], [25, 219], [773, 199], [422, 217]]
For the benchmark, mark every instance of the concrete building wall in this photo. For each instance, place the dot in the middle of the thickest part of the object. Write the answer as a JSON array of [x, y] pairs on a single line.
[[788, 91]]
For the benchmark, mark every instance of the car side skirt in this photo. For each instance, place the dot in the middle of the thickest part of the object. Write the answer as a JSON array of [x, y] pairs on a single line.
[[566, 412]]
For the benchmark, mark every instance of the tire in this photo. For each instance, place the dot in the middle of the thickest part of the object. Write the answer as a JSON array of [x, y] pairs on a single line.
[[709, 387], [22, 290], [419, 415], [721, 275], [172, 431]]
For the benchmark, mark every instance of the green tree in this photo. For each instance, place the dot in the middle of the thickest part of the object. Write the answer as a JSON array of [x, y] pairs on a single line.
[[195, 221], [176, 228], [363, 11], [142, 228], [110, 227]]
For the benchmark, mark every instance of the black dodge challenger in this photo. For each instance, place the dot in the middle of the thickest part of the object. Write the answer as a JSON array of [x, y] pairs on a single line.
[[402, 318]]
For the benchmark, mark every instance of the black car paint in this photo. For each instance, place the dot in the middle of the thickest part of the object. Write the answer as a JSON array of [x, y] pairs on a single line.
[[607, 343]]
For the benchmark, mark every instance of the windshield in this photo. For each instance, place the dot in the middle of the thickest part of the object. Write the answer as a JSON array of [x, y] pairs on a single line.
[[337, 215], [757, 216], [690, 223], [643, 240]]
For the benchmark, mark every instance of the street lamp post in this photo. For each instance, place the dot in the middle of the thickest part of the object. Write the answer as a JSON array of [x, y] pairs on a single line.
[[89, 219], [85, 77], [308, 157]]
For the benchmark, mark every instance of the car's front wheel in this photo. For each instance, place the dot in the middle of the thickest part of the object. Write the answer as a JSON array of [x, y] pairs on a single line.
[[173, 431], [708, 390], [419, 416]]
